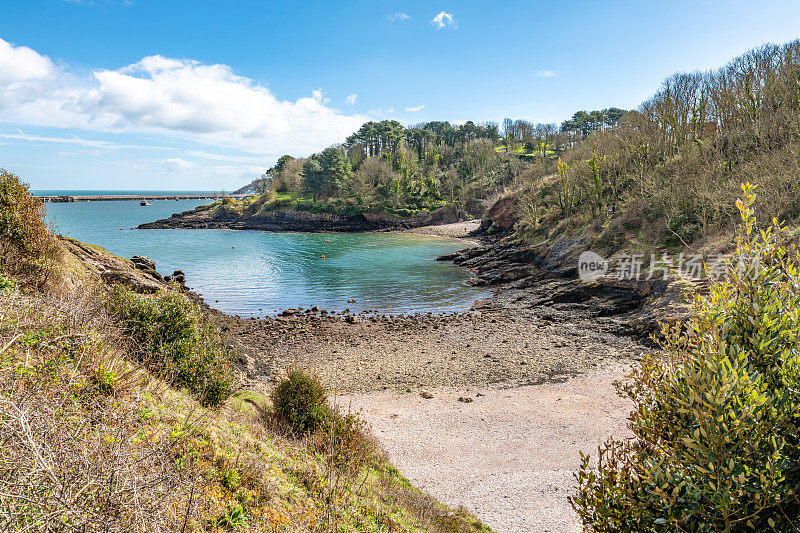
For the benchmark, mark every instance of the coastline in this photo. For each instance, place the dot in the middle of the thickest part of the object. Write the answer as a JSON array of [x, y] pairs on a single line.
[[466, 231], [542, 337]]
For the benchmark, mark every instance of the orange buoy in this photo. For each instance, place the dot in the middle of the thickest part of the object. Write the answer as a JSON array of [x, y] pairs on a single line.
[[323, 257], [328, 242]]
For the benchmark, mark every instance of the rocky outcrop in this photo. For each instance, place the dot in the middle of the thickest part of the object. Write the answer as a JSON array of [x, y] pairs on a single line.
[[306, 221], [541, 281], [137, 273]]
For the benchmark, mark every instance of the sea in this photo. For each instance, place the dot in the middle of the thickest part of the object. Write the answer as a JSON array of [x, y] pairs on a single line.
[[254, 273]]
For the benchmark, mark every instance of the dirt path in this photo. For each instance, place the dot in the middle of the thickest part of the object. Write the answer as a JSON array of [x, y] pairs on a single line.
[[509, 455]]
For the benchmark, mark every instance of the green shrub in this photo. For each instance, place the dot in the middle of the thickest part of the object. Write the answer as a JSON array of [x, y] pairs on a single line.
[[343, 440], [5, 283], [29, 247], [300, 402], [233, 518], [172, 337], [717, 412]]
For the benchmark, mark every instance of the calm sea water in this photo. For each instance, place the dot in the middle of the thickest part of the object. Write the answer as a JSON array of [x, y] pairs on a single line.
[[82, 192], [251, 273]]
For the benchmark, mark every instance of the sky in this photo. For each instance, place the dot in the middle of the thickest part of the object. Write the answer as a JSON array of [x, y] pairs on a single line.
[[206, 95]]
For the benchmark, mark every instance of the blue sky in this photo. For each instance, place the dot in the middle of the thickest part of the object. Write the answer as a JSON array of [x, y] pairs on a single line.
[[148, 94]]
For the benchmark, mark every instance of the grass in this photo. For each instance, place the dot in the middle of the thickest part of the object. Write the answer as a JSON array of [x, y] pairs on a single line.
[[83, 424]]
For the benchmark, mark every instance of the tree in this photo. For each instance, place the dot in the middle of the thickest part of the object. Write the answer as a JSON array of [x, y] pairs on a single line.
[[336, 171], [313, 177], [282, 162]]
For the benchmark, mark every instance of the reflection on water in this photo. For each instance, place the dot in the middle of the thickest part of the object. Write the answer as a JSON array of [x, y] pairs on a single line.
[[252, 273]]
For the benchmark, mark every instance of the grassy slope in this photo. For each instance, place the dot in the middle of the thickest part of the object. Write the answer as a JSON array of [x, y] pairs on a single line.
[[91, 438], [259, 205]]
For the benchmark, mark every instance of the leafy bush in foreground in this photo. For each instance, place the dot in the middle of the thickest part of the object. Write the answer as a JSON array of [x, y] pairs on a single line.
[[716, 415], [173, 338], [28, 246]]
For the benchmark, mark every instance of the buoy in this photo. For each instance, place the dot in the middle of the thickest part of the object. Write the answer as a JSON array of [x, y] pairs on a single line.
[[233, 247], [328, 242], [323, 257]]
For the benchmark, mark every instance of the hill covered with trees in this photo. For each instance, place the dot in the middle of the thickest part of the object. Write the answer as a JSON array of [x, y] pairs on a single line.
[[668, 173]]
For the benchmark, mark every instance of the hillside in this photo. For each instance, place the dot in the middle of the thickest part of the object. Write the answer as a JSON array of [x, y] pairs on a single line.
[[272, 212], [666, 177], [121, 412]]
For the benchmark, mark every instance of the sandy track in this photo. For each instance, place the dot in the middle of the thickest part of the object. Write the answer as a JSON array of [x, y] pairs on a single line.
[[509, 456]]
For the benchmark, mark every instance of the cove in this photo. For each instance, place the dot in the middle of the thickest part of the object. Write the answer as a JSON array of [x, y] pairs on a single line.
[[252, 273]]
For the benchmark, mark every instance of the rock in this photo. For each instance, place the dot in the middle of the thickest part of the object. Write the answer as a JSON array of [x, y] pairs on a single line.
[[315, 309], [143, 263], [136, 284], [289, 312], [427, 395], [152, 273], [351, 301], [351, 319], [176, 277], [464, 399]]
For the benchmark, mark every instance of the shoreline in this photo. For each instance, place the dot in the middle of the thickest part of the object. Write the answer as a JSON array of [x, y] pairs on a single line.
[[465, 231], [536, 327]]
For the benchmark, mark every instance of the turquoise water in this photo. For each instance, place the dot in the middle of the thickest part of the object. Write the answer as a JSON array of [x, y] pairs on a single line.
[[80, 192], [251, 273]]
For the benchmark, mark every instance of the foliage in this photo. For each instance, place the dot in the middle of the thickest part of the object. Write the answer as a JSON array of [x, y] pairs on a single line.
[[94, 442], [716, 418], [172, 337], [300, 401], [5, 283], [387, 166], [668, 172], [33, 248], [233, 518]]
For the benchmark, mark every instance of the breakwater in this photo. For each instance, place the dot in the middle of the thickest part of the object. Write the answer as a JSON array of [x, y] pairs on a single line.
[[132, 197]]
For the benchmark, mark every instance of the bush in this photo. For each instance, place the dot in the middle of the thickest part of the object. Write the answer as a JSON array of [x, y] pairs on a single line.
[[343, 439], [29, 247], [300, 402], [717, 413], [173, 338]]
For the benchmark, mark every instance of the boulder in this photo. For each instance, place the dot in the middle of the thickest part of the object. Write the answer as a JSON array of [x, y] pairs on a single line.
[[143, 263]]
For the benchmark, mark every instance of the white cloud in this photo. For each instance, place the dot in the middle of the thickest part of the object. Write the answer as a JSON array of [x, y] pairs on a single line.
[[351, 99], [381, 112], [547, 73], [176, 164], [178, 98], [444, 19], [399, 16], [74, 139], [21, 64], [415, 109]]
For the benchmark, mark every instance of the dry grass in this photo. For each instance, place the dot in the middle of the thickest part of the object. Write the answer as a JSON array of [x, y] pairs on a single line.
[[92, 441]]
